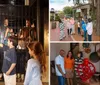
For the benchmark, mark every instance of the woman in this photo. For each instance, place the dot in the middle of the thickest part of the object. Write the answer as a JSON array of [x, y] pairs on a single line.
[[36, 65], [69, 65], [61, 26]]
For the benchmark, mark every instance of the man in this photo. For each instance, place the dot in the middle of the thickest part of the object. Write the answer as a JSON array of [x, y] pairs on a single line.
[[59, 65]]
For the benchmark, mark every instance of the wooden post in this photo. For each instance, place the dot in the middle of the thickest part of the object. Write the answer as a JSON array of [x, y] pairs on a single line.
[[38, 19]]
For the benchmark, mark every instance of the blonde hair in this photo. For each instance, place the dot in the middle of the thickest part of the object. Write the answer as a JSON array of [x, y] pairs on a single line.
[[39, 52]]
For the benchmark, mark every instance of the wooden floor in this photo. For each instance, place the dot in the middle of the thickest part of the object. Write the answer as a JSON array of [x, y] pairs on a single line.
[[2, 83], [54, 81]]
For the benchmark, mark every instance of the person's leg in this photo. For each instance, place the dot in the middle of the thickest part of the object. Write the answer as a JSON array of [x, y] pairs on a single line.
[[60, 34], [71, 81], [70, 30], [73, 29], [79, 31], [10, 80], [89, 37], [85, 35], [61, 80], [63, 35], [5, 78], [68, 82]]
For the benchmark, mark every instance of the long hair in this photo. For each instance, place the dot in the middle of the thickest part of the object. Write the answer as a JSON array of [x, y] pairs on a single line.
[[39, 52], [68, 55]]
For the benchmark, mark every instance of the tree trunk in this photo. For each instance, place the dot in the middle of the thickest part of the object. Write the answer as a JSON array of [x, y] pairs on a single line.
[[98, 17]]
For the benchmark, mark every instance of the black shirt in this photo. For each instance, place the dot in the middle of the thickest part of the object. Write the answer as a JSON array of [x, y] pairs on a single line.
[[9, 58]]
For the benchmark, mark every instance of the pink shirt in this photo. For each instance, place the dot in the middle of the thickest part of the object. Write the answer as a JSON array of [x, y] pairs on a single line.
[[72, 21]]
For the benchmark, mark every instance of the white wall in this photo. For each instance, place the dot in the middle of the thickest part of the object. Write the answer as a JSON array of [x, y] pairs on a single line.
[[56, 47]]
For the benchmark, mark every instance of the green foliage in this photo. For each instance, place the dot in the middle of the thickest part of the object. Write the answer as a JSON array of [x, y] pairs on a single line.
[[57, 17], [61, 14], [51, 18], [68, 11]]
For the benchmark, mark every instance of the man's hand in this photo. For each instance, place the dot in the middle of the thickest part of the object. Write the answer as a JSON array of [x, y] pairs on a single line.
[[64, 75], [8, 72]]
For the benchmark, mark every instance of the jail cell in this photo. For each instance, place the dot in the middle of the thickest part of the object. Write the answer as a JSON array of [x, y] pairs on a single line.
[[17, 15]]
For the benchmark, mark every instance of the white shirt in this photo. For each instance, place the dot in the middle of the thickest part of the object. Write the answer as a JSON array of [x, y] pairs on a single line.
[[59, 60], [33, 73], [78, 24], [89, 28]]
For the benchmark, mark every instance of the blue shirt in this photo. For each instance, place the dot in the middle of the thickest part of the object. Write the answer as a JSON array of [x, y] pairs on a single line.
[[84, 26], [9, 58]]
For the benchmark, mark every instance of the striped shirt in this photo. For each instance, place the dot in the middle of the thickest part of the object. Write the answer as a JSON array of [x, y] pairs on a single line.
[[78, 61], [61, 26]]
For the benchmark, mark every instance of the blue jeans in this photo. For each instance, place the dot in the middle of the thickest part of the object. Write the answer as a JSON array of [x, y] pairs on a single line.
[[89, 37], [61, 80], [79, 32], [85, 38]]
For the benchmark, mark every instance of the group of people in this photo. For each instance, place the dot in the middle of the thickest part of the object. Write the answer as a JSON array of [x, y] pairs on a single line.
[[68, 25], [66, 65], [27, 31], [84, 28], [36, 65]]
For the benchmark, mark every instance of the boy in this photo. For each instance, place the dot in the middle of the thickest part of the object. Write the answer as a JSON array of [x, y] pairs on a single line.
[[9, 62]]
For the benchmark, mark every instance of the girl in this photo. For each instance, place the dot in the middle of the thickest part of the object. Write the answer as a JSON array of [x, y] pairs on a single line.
[[69, 64], [78, 61], [36, 65]]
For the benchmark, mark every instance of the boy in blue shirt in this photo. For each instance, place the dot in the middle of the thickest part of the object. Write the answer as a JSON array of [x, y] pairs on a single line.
[[9, 62]]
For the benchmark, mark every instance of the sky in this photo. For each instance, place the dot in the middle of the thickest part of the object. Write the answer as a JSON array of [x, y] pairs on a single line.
[[60, 4]]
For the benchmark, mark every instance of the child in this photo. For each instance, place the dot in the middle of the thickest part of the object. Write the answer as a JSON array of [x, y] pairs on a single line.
[[61, 26], [78, 61], [9, 62], [36, 65], [79, 27], [89, 29]]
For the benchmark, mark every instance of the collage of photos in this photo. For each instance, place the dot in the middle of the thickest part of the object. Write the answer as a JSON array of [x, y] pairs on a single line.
[[49, 42], [74, 42]]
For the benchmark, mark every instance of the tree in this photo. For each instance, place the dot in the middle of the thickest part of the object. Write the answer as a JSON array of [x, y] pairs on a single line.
[[98, 17], [68, 11], [61, 14], [77, 2]]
